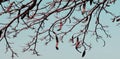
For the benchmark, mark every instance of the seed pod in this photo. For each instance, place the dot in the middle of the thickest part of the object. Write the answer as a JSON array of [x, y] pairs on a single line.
[[8, 9], [83, 54], [57, 43], [60, 26], [77, 39], [1, 33], [91, 2], [56, 38], [84, 8], [72, 39], [57, 48], [118, 20], [28, 14], [77, 45]]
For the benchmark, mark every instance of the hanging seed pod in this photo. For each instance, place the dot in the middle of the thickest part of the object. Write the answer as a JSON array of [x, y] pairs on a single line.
[[72, 39], [8, 9], [77, 49], [60, 26], [91, 2], [83, 54], [57, 43], [56, 38], [28, 14], [57, 48], [84, 8], [77, 39], [118, 20], [1, 33], [77, 45]]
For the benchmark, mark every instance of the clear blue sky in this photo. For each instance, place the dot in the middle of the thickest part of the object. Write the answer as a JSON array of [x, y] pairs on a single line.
[[67, 51]]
